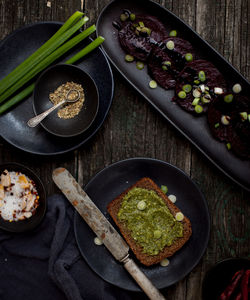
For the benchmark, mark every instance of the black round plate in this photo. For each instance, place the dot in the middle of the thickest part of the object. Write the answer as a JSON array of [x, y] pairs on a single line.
[[115, 179], [220, 275], [35, 220], [18, 46], [48, 82]]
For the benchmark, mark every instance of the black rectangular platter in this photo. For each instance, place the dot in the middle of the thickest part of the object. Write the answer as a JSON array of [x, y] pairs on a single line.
[[195, 129]]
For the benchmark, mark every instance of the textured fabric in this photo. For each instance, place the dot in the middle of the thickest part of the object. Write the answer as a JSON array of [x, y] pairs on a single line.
[[46, 263]]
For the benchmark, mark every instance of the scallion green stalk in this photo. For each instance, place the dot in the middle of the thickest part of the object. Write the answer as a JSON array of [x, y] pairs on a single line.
[[62, 35], [28, 90], [86, 50], [47, 61]]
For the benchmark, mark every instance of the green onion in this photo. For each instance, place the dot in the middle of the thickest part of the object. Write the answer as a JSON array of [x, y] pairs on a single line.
[[47, 61], [123, 17], [164, 189], [68, 29], [152, 84], [216, 125], [202, 76], [170, 45], [139, 65], [28, 90], [86, 50], [187, 88], [16, 99], [129, 58], [182, 95], [195, 101], [132, 17], [188, 57], [228, 98], [173, 33], [198, 109]]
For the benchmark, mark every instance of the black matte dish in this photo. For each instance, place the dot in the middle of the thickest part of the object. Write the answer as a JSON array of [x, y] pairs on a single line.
[[195, 129], [14, 49], [48, 82], [219, 276], [35, 220], [115, 179]]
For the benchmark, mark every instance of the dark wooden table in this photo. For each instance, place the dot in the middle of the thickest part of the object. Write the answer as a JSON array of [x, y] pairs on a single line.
[[134, 129]]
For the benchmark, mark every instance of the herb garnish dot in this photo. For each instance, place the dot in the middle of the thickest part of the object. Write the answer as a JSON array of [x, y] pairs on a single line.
[[228, 98], [187, 88], [202, 76], [129, 58], [237, 88], [152, 84], [170, 45], [132, 17], [188, 56], [173, 33], [182, 95], [198, 109], [139, 65]]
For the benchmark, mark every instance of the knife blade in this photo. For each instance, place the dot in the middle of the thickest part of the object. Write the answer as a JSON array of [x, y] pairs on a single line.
[[102, 228]]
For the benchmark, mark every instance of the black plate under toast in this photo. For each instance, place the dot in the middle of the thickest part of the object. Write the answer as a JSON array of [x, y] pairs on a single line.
[[13, 50], [115, 179], [195, 129]]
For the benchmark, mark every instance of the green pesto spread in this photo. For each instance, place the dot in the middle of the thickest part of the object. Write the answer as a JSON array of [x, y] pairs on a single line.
[[153, 227]]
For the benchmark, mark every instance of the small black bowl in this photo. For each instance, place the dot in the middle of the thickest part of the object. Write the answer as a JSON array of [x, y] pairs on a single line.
[[35, 220], [220, 275], [48, 82]]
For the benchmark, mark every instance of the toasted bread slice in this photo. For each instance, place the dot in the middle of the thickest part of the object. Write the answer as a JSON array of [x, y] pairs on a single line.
[[146, 259]]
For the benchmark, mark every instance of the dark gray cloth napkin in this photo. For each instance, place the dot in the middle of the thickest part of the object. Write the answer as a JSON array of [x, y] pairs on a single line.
[[46, 264]]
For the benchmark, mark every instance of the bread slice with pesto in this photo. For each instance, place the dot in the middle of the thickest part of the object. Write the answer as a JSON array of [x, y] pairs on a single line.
[[147, 220]]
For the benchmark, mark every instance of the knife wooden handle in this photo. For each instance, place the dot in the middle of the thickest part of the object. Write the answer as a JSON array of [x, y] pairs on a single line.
[[147, 286]]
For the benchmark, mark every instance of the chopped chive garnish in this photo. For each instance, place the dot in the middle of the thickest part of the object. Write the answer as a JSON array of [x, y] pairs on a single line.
[[216, 125], [202, 76], [173, 33], [152, 84], [187, 88], [198, 109], [164, 189], [123, 17], [139, 65], [195, 101], [188, 57], [170, 45], [132, 17], [228, 98], [182, 95], [129, 58]]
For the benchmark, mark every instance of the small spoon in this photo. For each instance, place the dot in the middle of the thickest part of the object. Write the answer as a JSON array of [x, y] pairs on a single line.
[[33, 122]]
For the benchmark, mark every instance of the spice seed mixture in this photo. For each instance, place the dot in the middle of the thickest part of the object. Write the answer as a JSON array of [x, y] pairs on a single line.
[[69, 110]]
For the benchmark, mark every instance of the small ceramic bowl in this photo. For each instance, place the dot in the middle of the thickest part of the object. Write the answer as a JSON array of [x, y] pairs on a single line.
[[35, 220], [48, 82], [220, 275]]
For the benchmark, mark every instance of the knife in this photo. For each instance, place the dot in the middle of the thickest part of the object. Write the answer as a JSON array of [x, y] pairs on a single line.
[[103, 229]]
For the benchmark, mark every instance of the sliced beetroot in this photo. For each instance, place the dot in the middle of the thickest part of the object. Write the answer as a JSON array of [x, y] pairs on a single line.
[[216, 110], [240, 138], [160, 54], [190, 73], [140, 46], [237, 133]]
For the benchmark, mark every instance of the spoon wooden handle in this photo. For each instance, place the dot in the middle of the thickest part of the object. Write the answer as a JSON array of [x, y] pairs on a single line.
[[33, 122]]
